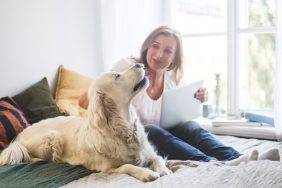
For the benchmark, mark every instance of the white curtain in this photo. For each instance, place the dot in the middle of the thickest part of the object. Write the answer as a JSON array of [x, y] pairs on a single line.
[[122, 26], [278, 84]]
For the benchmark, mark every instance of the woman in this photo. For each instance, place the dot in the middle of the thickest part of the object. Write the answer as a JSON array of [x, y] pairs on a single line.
[[162, 55]]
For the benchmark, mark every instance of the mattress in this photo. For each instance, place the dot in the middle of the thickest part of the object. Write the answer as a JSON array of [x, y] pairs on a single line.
[[251, 174]]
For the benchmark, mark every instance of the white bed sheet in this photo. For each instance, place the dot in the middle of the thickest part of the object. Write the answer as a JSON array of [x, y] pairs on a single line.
[[253, 174]]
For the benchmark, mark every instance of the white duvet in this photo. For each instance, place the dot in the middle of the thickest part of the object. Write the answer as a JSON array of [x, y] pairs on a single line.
[[258, 174]]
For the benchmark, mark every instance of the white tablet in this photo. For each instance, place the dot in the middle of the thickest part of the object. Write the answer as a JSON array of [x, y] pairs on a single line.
[[179, 105]]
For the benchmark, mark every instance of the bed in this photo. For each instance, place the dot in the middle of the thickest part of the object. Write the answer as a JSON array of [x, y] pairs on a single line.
[[253, 174], [44, 174]]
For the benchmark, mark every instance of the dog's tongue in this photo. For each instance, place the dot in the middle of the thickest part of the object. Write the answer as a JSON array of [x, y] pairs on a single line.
[[140, 84]]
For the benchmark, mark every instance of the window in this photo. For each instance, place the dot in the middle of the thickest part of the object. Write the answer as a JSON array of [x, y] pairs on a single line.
[[256, 52], [233, 38]]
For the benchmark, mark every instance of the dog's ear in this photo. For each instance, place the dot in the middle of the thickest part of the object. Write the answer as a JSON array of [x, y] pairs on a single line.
[[102, 109]]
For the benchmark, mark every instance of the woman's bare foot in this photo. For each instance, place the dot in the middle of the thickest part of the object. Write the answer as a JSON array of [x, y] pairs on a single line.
[[272, 154]]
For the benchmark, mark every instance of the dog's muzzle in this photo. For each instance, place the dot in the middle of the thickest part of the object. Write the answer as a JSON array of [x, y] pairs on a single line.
[[140, 84]]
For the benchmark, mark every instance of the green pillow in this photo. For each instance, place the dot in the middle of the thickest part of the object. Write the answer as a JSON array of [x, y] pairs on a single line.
[[37, 102]]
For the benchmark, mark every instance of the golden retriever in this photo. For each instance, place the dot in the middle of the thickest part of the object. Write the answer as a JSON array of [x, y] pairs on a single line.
[[110, 139]]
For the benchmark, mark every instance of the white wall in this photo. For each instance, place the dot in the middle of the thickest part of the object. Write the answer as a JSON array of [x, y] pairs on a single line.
[[88, 36], [36, 36]]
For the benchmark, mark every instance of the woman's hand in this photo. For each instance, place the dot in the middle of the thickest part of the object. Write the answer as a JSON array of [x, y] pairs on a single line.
[[201, 95], [83, 101]]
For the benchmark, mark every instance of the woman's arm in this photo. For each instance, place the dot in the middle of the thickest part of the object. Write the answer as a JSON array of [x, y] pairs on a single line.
[[83, 100]]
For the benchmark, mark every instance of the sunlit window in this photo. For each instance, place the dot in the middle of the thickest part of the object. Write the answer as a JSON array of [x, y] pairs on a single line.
[[256, 49], [233, 38]]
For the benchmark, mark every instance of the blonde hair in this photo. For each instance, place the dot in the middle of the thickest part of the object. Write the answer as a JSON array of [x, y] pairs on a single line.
[[177, 65]]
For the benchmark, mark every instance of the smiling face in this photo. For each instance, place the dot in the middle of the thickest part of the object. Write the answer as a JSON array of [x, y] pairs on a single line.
[[122, 85], [161, 52]]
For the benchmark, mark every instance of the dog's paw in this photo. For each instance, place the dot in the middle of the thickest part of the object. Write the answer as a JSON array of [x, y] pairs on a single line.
[[163, 171], [158, 165], [148, 176]]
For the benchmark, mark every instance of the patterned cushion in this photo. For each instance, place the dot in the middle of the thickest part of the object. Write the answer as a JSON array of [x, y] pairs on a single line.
[[12, 121]]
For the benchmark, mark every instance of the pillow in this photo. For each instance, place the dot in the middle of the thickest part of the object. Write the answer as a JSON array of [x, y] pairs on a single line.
[[70, 86], [12, 121], [37, 102]]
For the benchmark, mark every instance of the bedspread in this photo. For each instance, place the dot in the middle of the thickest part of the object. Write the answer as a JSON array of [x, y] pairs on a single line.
[[253, 174]]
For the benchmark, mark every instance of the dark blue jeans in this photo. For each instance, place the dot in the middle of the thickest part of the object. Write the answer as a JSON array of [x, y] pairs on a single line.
[[188, 141]]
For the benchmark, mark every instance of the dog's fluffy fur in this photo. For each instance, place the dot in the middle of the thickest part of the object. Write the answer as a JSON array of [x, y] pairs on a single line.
[[110, 139]]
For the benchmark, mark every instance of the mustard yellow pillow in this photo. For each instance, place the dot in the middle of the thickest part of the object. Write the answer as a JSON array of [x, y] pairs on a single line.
[[70, 86]]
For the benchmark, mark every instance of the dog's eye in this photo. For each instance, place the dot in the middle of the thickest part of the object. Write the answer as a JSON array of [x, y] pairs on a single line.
[[116, 76]]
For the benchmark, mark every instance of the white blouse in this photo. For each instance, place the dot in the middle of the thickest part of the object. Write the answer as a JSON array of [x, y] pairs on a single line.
[[148, 110]]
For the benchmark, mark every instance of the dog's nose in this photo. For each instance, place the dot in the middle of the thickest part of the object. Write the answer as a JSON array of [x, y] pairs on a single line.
[[139, 65]]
